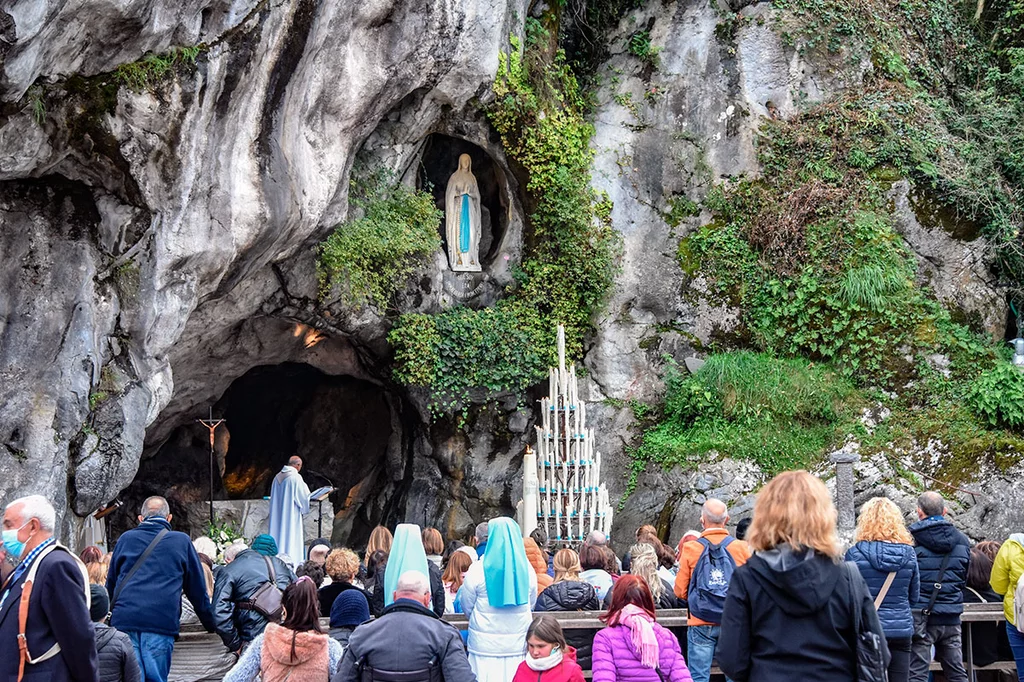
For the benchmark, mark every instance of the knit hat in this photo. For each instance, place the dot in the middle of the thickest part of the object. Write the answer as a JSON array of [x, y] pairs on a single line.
[[349, 609], [100, 603], [265, 545]]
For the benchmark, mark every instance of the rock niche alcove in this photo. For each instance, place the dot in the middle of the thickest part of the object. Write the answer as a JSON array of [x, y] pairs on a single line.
[[439, 159]]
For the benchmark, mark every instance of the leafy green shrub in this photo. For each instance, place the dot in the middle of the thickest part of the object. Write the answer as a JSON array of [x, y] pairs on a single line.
[[639, 45], [997, 396], [371, 257]]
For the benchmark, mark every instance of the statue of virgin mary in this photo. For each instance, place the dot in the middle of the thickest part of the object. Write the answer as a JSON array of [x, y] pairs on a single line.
[[462, 218]]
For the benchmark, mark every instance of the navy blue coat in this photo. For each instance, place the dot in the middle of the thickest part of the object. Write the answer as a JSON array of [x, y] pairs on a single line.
[[875, 561], [936, 537], [56, 613], [151, 601]]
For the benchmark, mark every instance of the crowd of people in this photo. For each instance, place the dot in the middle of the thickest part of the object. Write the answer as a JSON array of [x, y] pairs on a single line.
[[774, 601]]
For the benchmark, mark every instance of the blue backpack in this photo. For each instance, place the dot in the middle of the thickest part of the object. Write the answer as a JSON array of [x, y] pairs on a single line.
[[709, 581]]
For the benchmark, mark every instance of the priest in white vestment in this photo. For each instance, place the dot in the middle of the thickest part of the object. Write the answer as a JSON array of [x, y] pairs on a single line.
[[289, 500]]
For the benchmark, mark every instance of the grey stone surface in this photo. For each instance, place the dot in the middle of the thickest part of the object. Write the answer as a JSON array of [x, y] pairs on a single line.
[[955, 266], [170, 231]]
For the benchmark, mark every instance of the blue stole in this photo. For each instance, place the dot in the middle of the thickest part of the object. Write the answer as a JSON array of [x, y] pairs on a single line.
[[464, 225]]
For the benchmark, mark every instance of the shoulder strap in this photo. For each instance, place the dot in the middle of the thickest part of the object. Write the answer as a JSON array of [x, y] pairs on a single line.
[[726, 542], [938, 586], [977, 594], [885, 589], [270, 570], [851, 572], [137, 565]]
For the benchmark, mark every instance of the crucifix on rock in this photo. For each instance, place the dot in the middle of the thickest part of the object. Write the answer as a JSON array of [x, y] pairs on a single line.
[[211, 424]]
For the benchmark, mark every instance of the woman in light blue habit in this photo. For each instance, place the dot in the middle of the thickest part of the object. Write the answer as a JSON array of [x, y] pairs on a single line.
[[407, 554], [497, 596]]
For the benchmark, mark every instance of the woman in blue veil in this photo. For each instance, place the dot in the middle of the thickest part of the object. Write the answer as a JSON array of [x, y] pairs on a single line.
[[497, 596]]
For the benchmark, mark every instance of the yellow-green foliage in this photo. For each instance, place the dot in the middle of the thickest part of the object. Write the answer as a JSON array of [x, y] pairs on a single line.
[[151, 69], [781, 414], [809, 254], [371, 257]]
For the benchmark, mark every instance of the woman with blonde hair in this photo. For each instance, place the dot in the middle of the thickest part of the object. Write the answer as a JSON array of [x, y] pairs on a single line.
[[342, 565], [884, 554], [380, 538], [568, 592], [645, 564], [795, 610]]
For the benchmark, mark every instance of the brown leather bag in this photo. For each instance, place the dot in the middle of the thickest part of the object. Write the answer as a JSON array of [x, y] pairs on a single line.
[[266, 600]]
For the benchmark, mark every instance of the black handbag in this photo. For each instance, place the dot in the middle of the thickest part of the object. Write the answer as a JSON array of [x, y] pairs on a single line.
[[871, 648]]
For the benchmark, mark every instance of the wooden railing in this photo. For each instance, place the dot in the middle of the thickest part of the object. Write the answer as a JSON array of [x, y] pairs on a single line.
[[200, 656]]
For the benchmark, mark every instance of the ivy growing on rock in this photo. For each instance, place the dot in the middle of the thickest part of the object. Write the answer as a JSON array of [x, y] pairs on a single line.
[[571, 247]]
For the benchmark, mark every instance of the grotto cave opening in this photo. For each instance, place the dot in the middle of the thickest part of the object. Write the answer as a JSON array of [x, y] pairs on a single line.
[[341, 426], [440, 158]]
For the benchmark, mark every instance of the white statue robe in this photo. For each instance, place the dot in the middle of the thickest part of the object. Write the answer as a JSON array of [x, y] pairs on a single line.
[[289, 500]]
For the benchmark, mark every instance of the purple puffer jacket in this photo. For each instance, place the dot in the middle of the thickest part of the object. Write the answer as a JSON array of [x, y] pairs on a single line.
[[615, 659]]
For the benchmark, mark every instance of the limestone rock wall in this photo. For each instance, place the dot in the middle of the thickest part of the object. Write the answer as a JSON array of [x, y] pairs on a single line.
[[147, 233]]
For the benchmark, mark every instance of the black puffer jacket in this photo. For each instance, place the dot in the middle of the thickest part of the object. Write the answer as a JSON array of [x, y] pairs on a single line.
[[328, 593], [116, 655], [667, 600], [572, 595], [568, 595], [436, 590], [237, 582], [934, 538]]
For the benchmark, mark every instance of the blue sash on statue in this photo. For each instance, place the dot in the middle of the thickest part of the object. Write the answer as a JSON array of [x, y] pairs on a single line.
[[464, 226]]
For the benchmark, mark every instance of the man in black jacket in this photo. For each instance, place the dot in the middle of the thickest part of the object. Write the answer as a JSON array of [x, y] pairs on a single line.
[[58, 629], [408, 637], [943, 553], [238, 581]]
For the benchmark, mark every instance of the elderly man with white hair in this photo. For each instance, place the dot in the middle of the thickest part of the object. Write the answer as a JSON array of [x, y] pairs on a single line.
[[45, 599], [407, 638], [705, 570]]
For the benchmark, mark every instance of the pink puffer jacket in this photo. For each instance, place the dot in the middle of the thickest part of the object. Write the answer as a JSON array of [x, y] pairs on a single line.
[[615, 659]]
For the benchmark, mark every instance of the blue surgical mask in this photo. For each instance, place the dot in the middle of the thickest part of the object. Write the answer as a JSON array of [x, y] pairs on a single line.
[[12, 545]]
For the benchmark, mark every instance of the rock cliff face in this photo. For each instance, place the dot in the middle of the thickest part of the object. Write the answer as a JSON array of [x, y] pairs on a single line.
[[159, 242]]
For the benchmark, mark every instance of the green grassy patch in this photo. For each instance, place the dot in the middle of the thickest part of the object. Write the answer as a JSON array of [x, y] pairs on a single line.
[[779, 413], [809, 254], [147, 72]]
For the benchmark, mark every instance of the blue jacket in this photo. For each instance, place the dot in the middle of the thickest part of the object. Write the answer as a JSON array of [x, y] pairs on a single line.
[[56, 614], [151, 600], [876, 560], [935, 537]]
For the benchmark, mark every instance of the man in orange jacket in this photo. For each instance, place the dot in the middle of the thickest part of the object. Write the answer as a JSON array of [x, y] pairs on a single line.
[[702, 635]]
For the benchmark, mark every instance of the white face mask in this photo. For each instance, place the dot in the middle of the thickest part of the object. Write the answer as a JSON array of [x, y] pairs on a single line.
[[546, 663]]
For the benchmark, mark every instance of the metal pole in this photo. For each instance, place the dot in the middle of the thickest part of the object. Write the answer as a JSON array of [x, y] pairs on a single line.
[[211, 424]]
